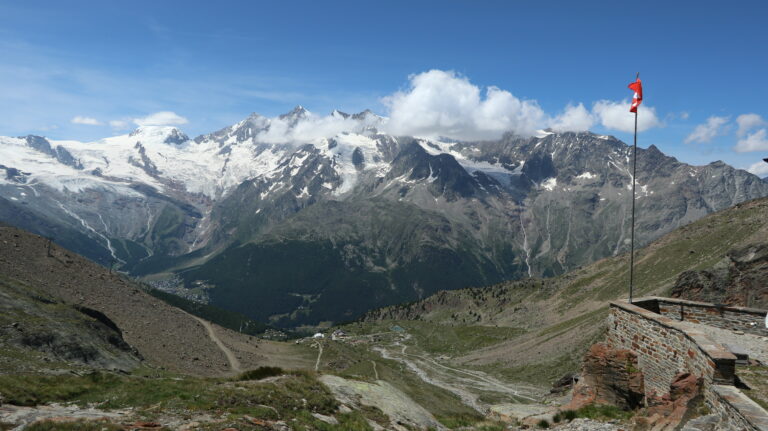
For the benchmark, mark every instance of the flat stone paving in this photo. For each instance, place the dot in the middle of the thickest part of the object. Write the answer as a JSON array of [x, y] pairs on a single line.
[[748, 408], [757, 348], [755, 345]]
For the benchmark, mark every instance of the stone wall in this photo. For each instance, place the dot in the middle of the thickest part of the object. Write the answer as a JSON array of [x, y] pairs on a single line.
[[749, 320], [736, 409], [667, 343], [666, 347]]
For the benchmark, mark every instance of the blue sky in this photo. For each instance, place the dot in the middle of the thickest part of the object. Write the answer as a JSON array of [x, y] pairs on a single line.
[[703, 64]]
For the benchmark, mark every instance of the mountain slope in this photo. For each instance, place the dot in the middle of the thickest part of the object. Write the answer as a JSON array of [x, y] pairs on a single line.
[[338, 259], [559, 318], [163, 335]]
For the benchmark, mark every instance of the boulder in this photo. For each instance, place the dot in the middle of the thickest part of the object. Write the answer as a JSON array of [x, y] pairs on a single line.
[[564, 383]]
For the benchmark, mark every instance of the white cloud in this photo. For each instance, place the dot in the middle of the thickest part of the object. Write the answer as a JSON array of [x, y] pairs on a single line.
[[89, 121], [760, 169], [118, 124], [162, 118], [748, 122], [311, 127], [443, 103], [616, 116], [574, 119], [757, 141], [684, 115], [706, 132]]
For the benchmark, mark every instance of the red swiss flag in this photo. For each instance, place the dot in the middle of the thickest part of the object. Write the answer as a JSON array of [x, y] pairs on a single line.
[[637, 87]]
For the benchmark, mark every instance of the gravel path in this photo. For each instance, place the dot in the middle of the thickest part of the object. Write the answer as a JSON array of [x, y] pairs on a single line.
[[319, 355]]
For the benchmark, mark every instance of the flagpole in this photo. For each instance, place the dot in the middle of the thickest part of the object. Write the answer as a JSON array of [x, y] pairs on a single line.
[[634, 181]]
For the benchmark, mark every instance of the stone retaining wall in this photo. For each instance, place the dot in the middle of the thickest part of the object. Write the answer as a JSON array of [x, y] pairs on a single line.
[[736, 409], [749, 320], [666, 347]]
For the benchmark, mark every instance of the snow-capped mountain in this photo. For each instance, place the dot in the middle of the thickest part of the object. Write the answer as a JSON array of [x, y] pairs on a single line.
[[320, 218]]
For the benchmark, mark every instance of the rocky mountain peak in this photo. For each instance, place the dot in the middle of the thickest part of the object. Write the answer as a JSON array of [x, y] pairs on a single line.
[[362, 115], [296, 113], [164, 134], [339, 114], [59, 153]]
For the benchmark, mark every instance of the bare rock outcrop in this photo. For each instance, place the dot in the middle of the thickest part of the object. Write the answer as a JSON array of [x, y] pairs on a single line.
[[609, 376], [739, 279], [667, 412]]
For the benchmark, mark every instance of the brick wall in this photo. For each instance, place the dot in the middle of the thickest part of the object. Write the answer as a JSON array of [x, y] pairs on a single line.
[[666, 347], [749, 320]]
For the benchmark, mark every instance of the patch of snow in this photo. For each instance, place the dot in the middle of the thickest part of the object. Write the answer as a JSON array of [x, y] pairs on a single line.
[[587, 176], [526, 247], [88, 227], [432, 177], [549, 184]]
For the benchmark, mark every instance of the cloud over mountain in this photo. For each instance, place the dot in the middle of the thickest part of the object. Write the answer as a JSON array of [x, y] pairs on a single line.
[[162, 118], [704, 133], [616, 116], [443, 103], [88, 121], [748, 122], [757, 141], [575, 118]]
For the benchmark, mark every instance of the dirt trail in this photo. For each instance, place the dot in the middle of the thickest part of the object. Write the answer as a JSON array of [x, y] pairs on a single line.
[[319, 355], [234, 363]]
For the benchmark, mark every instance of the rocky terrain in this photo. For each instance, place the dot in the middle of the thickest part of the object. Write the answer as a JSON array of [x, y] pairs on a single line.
[[373, 219], [40, 331], [739, 279]]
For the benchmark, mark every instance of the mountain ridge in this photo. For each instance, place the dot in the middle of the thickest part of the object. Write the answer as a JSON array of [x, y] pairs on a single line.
[[510, 208]]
